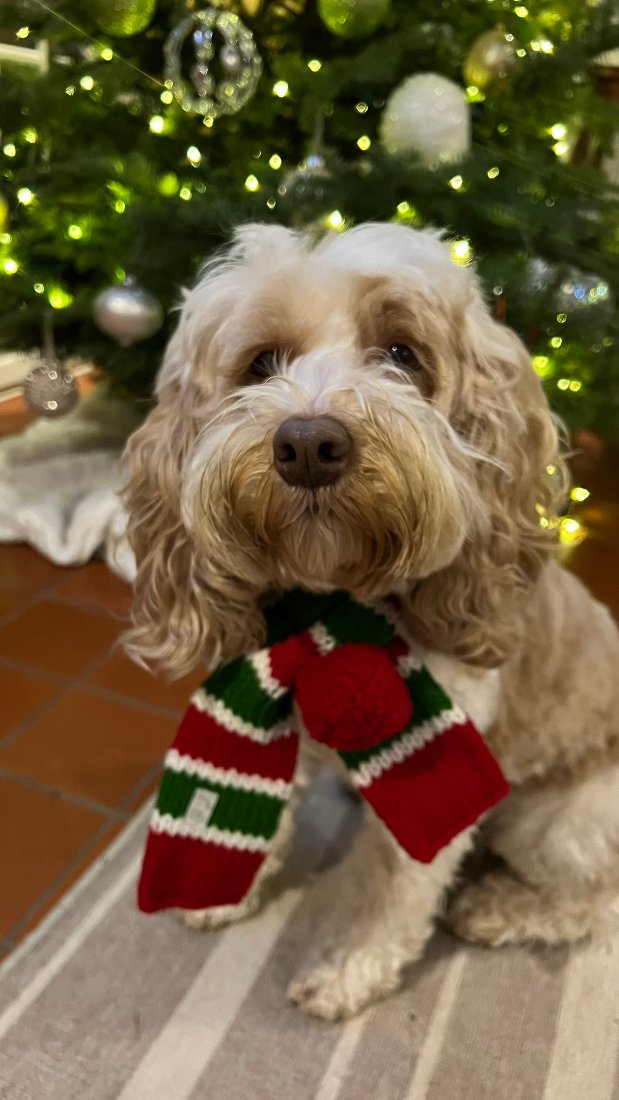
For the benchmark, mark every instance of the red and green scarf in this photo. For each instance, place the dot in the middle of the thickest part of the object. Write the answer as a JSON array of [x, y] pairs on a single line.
[[360, 689]]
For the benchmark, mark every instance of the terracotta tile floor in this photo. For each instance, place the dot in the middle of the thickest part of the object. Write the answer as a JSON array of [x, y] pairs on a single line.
[[82, 730]]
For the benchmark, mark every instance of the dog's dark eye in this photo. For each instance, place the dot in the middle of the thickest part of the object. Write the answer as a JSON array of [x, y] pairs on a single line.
[[403, 356], [262, 367]]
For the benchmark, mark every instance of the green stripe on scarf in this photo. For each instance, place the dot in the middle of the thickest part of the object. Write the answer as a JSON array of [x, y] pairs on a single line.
[[240, 811]]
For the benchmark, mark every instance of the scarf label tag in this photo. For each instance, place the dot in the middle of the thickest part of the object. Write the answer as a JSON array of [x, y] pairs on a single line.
[[201, 808]]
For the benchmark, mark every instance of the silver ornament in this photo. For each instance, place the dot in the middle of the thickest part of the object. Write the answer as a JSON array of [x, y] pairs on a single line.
[[491, 60], [128, 312], [50, 389], [306, 178], [429, 115], [221, 44]]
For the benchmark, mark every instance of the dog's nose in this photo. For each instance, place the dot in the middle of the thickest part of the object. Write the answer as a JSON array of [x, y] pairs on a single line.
[[311, 452]]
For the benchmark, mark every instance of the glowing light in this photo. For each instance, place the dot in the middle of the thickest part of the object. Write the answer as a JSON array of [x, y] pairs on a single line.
[[271, 203], [39, 288], [521, 11], [185, 194], [541, 364], [335, 220], [560, 148], [558, 131], [579, 494], [30, 135], [472, 91], [571, 531], [493, 173], [555, 341], [561, 318], [70, 89], [87, 83], [546, 46], [5, 238], [563, 384], [208, 122], [314, 65], [364, 142], [361, 108], [59, 298], [520, 52], [75, 232], [9, 149], [252, 184], [119, 206], [25, 196], [461, 251], [166, 96], [551, 469], [107, 54], [275, 161], [23, 32], [456, 182], [168, 184], [575, 385], [10, 266], [280, 89], [194, 156], [156, 124]]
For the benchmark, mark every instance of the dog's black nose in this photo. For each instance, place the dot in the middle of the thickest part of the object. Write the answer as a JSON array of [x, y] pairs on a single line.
[[311, 452]]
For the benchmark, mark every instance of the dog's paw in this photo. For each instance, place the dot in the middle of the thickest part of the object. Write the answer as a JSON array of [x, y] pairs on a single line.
[[209, 920], [342, 987], [495, 911]]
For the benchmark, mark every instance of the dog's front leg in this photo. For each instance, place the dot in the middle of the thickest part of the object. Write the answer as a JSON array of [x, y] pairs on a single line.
[[392, 901]]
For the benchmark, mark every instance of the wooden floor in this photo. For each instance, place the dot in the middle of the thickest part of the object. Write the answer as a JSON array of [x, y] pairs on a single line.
[[82, 730]]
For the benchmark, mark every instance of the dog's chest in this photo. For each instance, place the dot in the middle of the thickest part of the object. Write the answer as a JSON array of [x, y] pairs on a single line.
[[474, 690]]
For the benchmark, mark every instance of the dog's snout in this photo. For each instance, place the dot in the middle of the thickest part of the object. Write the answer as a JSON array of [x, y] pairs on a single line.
[[311, 452]]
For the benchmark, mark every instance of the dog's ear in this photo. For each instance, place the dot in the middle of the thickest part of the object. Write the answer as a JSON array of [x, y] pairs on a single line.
[[474, 607], [187, 611]]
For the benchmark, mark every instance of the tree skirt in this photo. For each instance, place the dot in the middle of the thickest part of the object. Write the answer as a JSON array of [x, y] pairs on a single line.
[[60, 482]]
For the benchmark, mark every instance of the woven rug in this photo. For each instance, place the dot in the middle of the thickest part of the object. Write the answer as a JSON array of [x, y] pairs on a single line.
[[102, 1003]]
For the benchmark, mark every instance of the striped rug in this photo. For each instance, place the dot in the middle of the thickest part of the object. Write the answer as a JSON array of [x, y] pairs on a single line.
[[102, 1003]]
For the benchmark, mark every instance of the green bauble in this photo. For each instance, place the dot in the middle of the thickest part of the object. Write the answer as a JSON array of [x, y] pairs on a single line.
[[490, 60], [353, 18], [123, 17]]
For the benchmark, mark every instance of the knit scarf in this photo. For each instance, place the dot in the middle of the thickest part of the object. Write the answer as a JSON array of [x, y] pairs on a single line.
[[360, 689]]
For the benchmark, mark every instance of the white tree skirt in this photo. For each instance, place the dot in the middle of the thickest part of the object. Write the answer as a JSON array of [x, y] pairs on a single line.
[[60, 482]]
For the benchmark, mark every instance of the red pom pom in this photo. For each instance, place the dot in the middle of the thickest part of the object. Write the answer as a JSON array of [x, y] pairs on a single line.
[[353, 698]]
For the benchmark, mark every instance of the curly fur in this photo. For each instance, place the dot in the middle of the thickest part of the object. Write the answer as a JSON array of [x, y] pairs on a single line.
[[441, 506]]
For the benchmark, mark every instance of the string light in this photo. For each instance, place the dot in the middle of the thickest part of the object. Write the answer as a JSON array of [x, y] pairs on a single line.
[[361, 108], [167, 96], [335, 220], [87, 83], [271, 203], [59, 298], [156, 124], [542, 365], [39, 288], [579, 494], [70, 89], [521, 11], [492, 173], [9, 150], [575, 385], [10, 266], [75, 232], [364, 142], [563, 384], [194, 156], [560, 148], [314, 65], [25, 196], [107, 54], [461, 251], [561, 318], [185, 194], [558, 131], [275, 161], [456, 182], [5, 238], [23, 32], [30, 135], [555, 342], [252, 184], [280, 89], [119, 206], [571, 531], [168, 184]]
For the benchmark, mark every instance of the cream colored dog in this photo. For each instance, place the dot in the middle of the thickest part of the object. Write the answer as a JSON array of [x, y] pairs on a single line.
[[348, 415]]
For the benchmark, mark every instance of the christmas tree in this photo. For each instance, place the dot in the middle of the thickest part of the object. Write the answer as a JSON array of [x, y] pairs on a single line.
[[143, 130]]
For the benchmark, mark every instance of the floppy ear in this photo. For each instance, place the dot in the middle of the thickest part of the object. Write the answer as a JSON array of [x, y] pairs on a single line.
[[474, 607], [187, 610]]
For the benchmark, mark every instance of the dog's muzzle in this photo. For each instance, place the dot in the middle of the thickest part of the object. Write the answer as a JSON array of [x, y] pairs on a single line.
[[311, 452]]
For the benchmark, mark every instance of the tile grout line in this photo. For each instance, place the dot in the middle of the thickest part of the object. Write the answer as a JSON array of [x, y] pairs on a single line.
[[109, 812], [31, 599]]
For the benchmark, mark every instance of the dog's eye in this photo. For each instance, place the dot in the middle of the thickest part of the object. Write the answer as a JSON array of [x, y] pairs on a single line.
[[262, 367], [403, 356]]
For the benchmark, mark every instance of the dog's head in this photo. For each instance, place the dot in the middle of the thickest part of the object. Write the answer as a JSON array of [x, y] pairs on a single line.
[[338, 415]]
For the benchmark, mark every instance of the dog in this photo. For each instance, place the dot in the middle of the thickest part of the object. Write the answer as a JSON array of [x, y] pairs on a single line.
[[346, 413]]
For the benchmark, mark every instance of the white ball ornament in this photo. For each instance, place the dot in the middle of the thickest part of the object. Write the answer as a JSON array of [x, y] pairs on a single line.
[[428, 115], [127, 312]]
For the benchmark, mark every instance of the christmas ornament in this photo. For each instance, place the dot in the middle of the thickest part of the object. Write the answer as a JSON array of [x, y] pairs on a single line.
[[49, 388], [128, 312], [4, 213], [581, 291], [353, 18], [491, 60], [123, 17], [226, 67], [306, 178], [361, 690], [428, 115]]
